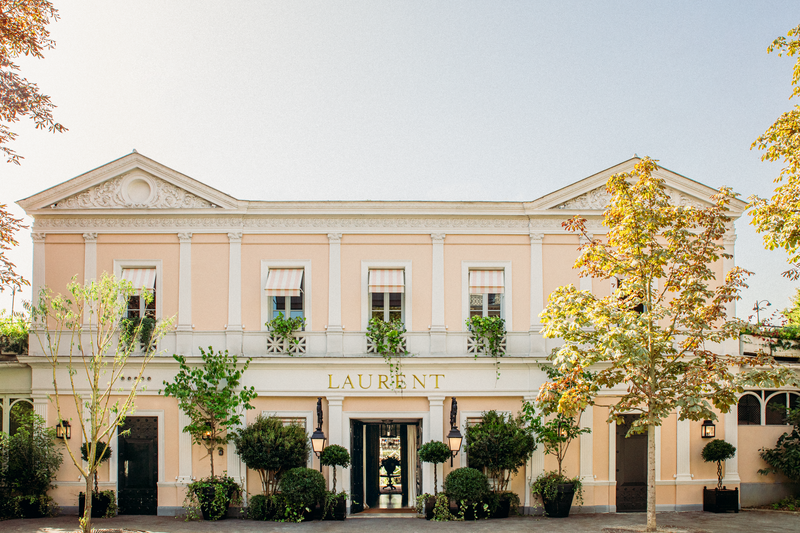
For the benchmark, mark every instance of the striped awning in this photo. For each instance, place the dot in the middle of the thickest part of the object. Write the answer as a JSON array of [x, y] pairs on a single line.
[[284, 282], [140, 277], [386, 281], [486, 282]]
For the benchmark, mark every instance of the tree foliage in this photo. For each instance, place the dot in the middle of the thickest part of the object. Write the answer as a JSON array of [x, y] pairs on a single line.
[[78, 333], [777, 217], [435, 452], [270, 448], [501, 444], [333, 456], [784, 458], [8, 227], [23, 31], [666, 355], [31, 456], [208, 395]]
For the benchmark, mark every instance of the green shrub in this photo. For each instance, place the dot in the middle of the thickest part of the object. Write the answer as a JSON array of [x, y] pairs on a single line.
[[262, 507], [270, 448], [333, 456], [466, 484], [501, 444], [302, 487], [14, 330], [34, 456], [784, 458], [215, 493]]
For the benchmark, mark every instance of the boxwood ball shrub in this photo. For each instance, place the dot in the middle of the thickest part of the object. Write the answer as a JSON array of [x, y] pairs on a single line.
[[333, 456], [435, 452], [302, 487], [717, 451], [466, 484]]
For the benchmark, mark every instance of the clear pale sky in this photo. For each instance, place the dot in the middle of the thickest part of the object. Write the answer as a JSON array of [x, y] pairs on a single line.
[[425, 100]]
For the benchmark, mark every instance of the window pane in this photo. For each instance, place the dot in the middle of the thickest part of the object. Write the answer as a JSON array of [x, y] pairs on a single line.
[[749, 410], [395, 301], [297, 303], [475, 305], [794, 401], [278, 305], [776, 410], [19, 408], [133, 306], [150, 308], [395, 315], [377, 305], [495, 304]]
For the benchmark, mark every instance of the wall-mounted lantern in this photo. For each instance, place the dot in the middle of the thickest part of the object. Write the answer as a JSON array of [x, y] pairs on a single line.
[[318, 437], [63, 430], [708, 430], [454, 438]]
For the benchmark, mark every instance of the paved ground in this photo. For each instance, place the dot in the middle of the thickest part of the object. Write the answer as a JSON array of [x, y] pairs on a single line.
[[696, 522]]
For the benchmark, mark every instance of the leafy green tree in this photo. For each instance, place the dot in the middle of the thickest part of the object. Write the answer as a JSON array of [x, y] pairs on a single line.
[[501, 444], [777, 217], [270, 448], [784, 458], [209, 396], [657, 337], [435, 452], [333, 456], [79, 333], [32, 456], [717, 451]]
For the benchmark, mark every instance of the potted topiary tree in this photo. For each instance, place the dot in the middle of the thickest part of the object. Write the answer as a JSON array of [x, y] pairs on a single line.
[[719, 499], [209, 394], [434, 452], [469, 488], [302, 489], [104, 504], [501, 445], [335, 503]]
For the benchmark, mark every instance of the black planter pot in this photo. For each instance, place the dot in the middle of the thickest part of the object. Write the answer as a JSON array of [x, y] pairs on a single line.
[[339, 510], [720, 500], [205, 496], [100, 503], [559, 506], [430, 503], [473, 511], [30, 509], [503, 508]]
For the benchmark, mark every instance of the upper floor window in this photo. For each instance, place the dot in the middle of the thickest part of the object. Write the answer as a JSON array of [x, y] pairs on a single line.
[[285, 291], [142, 279], [486, 288], [387, 295], [768, 408]]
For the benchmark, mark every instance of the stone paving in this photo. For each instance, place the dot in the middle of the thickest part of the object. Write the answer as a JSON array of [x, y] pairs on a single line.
[[694, 522]]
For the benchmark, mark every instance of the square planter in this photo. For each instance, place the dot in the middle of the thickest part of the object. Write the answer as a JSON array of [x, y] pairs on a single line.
[[100, 504], [720, 500]]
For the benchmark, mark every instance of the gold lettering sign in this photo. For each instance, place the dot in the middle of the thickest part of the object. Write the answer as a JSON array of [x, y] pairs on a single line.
[[381, 381]]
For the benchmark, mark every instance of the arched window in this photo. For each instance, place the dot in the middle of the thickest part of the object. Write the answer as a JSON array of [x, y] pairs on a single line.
[[749, 410], [18, 408]]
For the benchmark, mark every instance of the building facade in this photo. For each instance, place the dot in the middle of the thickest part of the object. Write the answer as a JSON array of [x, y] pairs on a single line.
[[223, 267]]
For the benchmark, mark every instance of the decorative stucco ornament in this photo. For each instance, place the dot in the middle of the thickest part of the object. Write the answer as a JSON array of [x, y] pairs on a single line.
[[136, 190], [599, 198]]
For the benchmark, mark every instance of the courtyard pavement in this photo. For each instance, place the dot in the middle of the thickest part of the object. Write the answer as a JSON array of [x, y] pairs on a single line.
[[695, 522]]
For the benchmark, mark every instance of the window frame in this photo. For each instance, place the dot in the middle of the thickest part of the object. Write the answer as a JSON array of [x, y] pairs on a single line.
[[124, 264], [765, 405], [266, 301], [506, 309], [366, 298]]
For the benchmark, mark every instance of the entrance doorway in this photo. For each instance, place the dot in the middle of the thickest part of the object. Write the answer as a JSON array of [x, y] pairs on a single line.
[[385, 473], [138, 466], [631, 469]]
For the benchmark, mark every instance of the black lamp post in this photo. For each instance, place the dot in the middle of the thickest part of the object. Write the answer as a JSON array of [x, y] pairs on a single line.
[[758, 307], [318, 437], [454, 438]]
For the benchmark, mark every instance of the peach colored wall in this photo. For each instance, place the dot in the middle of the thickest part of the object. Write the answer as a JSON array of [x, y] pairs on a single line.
[[669, 447], [146, 247], [514, 248], [558, 257], [64, 258], [752, 439], [401, 404], [256, 248], [415, 248], [210, 256]]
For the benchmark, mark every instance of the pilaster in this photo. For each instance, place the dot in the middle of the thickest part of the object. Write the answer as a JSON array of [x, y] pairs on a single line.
[[233, 330], [537, 345], [184, 449], [38, 274], [335, 329], [731, 421], [438, 329], [731, 346], [335, 429], [89, 271], [587, 468], [683, 451], [183, 331], [436, 407]]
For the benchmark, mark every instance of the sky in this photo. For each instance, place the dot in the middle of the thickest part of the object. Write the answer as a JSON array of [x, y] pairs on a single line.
[[402, 100]]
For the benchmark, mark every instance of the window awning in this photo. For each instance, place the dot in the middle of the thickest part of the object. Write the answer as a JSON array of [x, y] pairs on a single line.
[[387, 281], [486, 282], [140, 277], [284, 282]]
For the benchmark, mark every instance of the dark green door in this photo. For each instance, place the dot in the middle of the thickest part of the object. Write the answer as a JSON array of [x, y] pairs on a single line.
[[138, 466], [357, 466]]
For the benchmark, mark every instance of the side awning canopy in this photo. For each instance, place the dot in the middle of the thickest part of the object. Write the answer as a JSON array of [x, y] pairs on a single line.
[[486, 281], [387, 281], [284, 282], [140, 277]]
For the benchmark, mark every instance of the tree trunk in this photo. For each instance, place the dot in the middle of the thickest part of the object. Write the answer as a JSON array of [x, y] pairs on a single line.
[[211, 456], [86, 521], [435, 482], [334, 478], [651, 477]]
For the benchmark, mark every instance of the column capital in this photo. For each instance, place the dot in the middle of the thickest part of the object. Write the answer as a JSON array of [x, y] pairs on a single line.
[[537, 238], [334, 237], [335, 401], [38, 236], [235, 236], [438, 237], [729, 238], [186, 236], [90, 237], [436, 400]]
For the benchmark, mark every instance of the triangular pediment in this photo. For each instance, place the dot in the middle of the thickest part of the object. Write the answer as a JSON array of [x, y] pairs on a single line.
[[589, 194], [131, 182]]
